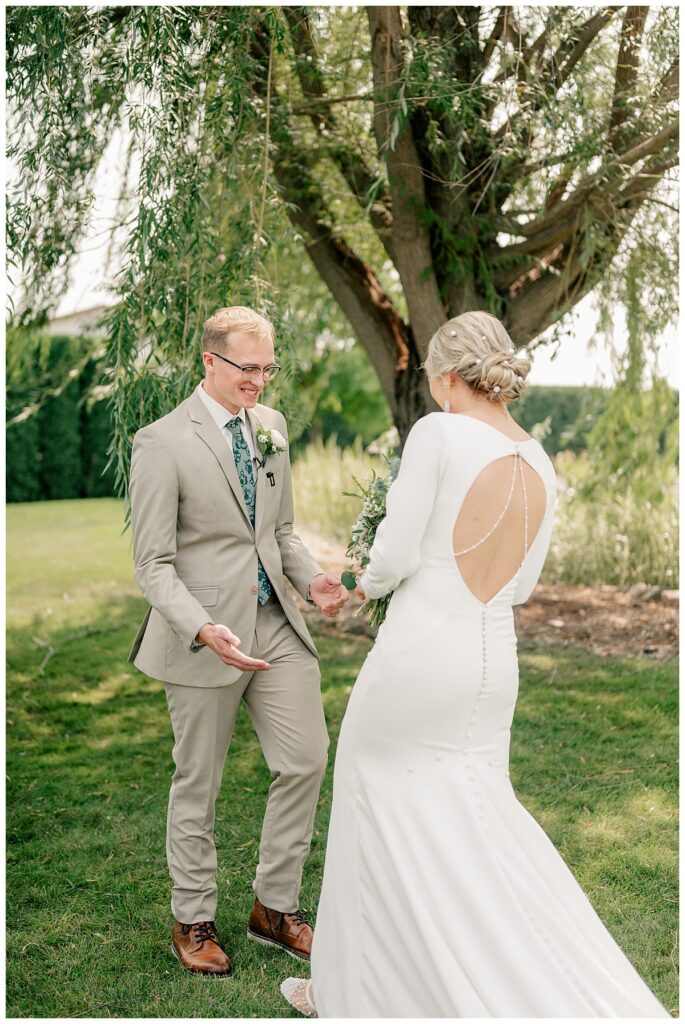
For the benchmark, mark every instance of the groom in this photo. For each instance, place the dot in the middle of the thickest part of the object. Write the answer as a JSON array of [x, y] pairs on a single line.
[[213, 541]]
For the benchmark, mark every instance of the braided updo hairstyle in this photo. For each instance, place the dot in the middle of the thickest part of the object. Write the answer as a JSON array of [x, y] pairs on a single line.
[[477, 347]]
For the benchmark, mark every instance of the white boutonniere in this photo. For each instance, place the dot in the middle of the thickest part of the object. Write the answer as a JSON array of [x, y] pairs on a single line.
[[270, 442]]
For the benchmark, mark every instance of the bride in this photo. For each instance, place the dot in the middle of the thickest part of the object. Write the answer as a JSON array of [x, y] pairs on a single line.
[[442, 897]]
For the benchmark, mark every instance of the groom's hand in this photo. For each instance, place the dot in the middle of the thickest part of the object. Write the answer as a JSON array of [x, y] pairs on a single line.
[[225, 645], [328, 594]]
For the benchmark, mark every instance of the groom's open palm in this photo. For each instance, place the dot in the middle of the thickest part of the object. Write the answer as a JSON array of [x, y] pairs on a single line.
[[225, 644]]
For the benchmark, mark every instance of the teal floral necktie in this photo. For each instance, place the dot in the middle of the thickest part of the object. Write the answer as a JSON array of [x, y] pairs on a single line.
[[243, 463]]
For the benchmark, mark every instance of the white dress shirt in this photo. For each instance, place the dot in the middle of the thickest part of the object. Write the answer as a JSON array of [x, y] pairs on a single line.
[[221, 416]]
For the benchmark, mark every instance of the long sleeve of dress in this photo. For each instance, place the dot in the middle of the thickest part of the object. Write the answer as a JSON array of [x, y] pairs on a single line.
[[395, 554]]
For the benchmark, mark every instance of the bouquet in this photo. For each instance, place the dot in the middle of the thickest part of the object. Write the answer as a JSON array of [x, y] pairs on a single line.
[[373, 496]]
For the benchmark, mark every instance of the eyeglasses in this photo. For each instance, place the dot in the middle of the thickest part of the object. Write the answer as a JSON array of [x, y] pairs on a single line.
[[266, 373]]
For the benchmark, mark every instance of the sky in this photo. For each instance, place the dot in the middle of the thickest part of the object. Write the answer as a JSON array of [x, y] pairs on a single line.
[[587, 360]]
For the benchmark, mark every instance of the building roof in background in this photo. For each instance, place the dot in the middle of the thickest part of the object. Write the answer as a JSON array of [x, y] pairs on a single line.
[[81, 321]]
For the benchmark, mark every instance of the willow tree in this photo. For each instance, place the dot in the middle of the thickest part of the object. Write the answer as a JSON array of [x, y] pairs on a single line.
[[430, 160]]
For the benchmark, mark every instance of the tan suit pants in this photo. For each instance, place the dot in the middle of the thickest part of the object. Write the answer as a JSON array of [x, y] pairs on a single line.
[[284, 703]]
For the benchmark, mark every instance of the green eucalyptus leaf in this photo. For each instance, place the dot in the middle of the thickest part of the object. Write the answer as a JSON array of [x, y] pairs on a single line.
[[349, 580]]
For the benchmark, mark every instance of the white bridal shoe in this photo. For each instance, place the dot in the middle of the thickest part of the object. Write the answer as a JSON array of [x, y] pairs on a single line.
[[298, 992]]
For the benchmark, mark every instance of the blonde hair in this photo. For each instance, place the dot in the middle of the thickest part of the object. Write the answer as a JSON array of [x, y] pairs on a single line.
[[217, 328], [477, 347]]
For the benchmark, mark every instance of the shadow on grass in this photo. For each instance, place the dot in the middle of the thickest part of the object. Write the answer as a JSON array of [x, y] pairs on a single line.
[[89, 761]]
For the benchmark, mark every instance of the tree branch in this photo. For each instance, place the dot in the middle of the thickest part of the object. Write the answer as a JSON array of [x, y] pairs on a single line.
[[498, 32], [81, 25], [447, 181], [542, 293], [642, 183], [511, 33], [573, 48], [647, 146], [352, 283], [544, 298], [627, 66], [537, 47], [555, 71], [555, 225], [329, 101], [360, 179], [667, 89], [414, 260]]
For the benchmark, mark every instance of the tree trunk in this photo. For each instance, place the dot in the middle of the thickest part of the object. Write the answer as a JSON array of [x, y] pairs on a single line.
[[438, 214], [412, 398]]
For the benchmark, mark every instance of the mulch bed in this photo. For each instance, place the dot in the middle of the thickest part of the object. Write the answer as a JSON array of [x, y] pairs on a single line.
[[639, 620]]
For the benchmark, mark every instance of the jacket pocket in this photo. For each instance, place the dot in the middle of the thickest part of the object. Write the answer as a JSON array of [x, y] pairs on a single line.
[[207, 596]]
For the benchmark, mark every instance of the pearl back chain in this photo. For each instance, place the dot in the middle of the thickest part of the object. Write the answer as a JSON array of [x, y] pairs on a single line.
[[518, 467]]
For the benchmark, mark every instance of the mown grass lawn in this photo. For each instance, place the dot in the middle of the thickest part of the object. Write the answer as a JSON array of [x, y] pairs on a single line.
[[89, 762]]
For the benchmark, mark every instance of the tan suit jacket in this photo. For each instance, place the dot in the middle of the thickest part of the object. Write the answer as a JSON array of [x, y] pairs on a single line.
[[195, 549]]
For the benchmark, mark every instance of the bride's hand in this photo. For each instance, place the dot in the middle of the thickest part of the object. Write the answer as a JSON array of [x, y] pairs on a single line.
[[359, 590]]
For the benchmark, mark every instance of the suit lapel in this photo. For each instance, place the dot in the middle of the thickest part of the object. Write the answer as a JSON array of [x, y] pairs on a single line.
[[207, 430], [261, 492]]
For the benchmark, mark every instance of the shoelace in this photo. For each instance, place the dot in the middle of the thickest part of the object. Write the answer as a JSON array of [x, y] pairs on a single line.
[[297, 917], [202, 931]]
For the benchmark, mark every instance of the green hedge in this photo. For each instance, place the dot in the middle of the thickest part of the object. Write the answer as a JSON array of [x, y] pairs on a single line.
[[59, 453], [571, 413], [22, 459], [59, 450]]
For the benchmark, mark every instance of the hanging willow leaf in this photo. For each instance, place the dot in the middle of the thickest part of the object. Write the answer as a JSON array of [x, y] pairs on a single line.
[[427, 160]]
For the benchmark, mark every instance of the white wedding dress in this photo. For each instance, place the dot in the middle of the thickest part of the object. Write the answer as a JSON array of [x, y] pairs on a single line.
[[442, 896]]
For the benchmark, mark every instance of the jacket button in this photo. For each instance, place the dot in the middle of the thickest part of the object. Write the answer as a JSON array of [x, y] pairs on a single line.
[[253, 589]]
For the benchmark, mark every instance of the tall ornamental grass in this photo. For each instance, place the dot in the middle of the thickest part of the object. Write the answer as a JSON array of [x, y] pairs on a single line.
[[622, 533], [619, 539], [323, 477]]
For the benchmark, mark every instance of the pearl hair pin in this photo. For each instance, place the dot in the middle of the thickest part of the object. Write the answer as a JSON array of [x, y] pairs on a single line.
[[497, 389], [453, 334]]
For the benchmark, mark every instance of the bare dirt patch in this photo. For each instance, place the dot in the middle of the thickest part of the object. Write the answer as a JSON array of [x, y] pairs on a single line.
[[606, 620], [640, 620]]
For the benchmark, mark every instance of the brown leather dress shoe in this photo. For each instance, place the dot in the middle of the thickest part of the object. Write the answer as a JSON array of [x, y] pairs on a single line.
[[290, 932], [198, 950]]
